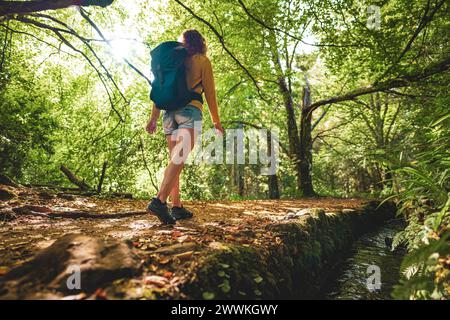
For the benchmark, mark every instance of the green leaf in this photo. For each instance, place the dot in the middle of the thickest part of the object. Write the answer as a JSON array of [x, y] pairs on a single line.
[[259, 279], [439, 121], [208, 295], [225, 286]]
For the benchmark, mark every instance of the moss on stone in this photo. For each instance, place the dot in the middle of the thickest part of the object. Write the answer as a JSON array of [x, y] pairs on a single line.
[[292, 269]]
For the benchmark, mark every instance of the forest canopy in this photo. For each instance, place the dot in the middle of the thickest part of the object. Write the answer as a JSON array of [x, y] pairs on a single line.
[[75, 84], [358, 90]]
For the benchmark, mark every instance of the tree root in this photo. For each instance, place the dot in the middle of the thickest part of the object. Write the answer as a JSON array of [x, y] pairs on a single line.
[[48, 213]]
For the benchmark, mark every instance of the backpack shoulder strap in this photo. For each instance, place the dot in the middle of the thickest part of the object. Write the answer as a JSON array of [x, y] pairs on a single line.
[[198, 85]]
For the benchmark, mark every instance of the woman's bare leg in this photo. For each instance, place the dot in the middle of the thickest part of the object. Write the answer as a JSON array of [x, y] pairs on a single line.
[[185, 142], [175, 197]]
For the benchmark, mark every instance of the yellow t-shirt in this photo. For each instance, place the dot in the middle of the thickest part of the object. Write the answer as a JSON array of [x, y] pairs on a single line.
[[199, 71]]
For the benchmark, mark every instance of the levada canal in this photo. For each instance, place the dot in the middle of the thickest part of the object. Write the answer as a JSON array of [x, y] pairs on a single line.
[[369, 260]]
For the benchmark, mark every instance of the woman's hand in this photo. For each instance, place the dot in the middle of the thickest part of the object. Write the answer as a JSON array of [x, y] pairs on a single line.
[[219, 129], [152, 125]]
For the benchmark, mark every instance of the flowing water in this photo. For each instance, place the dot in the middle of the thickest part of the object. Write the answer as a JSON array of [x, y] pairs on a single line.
[[368, 255]]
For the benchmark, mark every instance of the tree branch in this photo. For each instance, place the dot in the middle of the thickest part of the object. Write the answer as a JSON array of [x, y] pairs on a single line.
[[88, 45], [22, 7], [319, 120], [400, 82], [144, 160], [97, 29], [426, 19], [58, 32], [36, 38], [254, 126], [224, 46], [290, 35], [74, 179]]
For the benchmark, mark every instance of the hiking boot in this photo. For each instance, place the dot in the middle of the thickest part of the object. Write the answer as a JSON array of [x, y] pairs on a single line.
[[159, 209], [181, 213]]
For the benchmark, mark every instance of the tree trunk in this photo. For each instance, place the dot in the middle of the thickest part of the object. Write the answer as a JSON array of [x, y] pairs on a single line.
[[274, 190], [74, 179], [306, 143], [293, 136], [240, 181], [306, 154], [288, 101], [102, 177]]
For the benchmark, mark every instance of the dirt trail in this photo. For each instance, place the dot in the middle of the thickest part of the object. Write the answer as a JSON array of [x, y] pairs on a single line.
[[214, 224]]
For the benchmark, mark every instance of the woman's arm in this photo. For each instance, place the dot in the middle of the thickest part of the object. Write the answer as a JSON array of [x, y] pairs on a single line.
[[209, 87], [153, 122]]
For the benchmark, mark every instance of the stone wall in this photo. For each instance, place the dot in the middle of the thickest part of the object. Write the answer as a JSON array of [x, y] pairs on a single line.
[[295, 267]]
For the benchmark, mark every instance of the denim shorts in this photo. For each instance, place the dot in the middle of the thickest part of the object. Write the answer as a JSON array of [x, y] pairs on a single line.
[[189, 117]]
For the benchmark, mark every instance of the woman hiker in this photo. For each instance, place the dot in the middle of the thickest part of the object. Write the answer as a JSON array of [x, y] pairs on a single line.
[[182, 126]]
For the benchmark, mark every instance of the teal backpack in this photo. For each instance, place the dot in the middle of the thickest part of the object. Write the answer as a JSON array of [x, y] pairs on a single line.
[[170, 90]]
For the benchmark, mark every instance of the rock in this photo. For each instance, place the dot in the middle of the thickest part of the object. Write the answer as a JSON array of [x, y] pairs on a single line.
[[6, 194], [217, 246], [99, 261], [303, 212], [290, 216], [318, 213]]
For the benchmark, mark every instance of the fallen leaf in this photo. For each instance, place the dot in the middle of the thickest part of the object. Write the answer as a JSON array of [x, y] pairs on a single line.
[[185, 256], [3, 271], [100, 294], [244, 240], [183, 239], [153, 268], [80, 296], [156, 281], [176, 234], [164, 260]]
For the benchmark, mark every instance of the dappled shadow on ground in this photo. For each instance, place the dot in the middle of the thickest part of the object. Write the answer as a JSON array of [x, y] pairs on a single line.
[[215, 224]]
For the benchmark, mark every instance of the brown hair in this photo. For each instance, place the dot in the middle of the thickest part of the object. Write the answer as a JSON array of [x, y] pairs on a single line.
[[194, 42]]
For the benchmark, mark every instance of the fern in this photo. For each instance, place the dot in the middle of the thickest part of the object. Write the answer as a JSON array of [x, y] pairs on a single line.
[[425, 203]]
